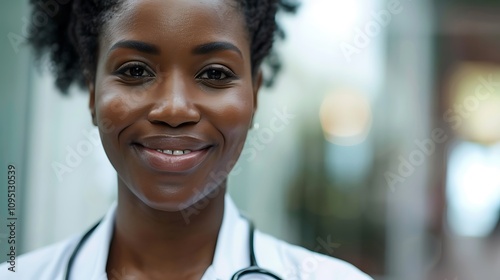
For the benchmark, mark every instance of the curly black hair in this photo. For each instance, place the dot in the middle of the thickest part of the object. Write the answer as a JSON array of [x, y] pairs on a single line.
[[71, 30]]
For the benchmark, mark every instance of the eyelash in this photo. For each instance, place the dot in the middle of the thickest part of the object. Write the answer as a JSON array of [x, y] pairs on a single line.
[[122, 71], [147, 73], [229, 75]]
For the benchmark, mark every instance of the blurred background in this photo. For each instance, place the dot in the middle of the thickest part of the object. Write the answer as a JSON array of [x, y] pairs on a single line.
[[388, 155]]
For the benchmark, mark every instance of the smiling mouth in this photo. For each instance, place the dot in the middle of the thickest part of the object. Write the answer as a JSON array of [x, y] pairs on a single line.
[[169, 158], [175, 152]]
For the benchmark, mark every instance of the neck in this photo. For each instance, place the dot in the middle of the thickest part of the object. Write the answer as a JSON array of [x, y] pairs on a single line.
[[148, 242]]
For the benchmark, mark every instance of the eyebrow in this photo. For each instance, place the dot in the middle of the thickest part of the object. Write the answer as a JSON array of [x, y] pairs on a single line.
[[200, 50], [216, 47], [137, 45]]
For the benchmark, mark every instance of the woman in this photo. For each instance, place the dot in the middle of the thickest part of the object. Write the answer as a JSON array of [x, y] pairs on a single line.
[[173, 89]]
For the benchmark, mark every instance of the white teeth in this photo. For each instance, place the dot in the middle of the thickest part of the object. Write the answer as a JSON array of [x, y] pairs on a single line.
[[175, 152]]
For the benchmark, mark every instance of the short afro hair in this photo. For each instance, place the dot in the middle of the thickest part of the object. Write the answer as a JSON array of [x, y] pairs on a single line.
[[73, 27]]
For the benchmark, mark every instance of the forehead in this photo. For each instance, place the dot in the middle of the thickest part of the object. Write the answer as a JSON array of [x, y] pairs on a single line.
[[181, 21]]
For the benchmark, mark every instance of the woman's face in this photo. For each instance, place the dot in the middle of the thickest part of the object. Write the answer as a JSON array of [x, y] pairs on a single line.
[[173, 97]]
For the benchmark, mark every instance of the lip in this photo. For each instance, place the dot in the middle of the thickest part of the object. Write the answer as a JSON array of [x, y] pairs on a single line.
[[147, 149], [173, 143]]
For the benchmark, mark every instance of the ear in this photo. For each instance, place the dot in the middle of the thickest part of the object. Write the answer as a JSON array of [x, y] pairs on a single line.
[[91, 87]]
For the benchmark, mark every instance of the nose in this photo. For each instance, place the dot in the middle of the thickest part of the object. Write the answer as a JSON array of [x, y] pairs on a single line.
[[173, 104]]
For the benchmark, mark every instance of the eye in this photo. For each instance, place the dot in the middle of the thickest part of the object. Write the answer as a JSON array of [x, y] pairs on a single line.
[[134, 71], [213, 74], [216, 74]]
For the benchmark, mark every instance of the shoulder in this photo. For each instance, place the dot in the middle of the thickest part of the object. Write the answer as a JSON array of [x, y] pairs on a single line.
[[45, 263], [299, 263]]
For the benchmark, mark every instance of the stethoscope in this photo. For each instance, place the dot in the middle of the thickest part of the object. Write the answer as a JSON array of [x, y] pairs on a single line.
[[253, 269]]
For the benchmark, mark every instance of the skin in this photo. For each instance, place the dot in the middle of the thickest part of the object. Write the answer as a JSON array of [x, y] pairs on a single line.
[[167, 89]]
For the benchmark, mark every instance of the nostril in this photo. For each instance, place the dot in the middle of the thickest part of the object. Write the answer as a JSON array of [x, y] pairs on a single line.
[[173, 123], [174, 114]]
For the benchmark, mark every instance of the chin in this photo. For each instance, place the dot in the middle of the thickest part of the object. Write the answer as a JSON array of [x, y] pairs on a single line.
[[175, 198]]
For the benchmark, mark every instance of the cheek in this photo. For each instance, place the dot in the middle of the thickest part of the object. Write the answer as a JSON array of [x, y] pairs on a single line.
[[118, 108], [114, 112], [234, 120], [235, 111]]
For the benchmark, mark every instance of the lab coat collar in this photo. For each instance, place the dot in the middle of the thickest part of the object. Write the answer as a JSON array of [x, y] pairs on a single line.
[[90, 263], [231, 253]]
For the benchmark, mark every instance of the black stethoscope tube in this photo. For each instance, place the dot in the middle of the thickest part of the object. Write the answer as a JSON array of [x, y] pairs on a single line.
[[77, 249], [252, 269]]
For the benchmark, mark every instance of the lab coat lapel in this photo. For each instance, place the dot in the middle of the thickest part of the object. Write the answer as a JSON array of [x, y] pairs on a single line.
[[90, 263], [232, 250]]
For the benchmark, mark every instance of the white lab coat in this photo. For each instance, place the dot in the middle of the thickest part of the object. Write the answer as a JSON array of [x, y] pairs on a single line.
[[231, 254]]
